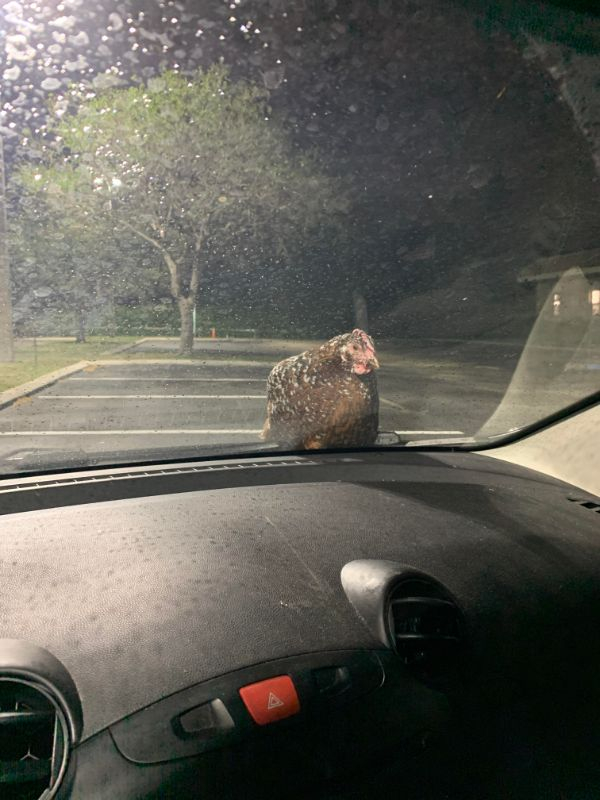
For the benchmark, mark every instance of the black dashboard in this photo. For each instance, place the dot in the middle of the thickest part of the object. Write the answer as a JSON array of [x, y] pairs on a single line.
[[335, 625]]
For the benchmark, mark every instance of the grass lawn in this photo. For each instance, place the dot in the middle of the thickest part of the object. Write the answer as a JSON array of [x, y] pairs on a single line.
[[31, 362]]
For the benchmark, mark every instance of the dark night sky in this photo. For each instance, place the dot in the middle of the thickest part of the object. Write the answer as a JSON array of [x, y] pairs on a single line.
[[464, 162]]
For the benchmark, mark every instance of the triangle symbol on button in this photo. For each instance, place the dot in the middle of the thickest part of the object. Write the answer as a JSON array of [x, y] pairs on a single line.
[[274, 701]]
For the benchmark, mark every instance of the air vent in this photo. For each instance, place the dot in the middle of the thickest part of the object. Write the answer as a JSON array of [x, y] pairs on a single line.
[[426, 630], [586, 504], [34, 741]]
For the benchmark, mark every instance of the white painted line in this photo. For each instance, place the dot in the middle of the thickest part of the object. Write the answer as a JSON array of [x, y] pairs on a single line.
[[152, 396], [201, 363], [174, 380], [453, 433], [391, 403], [173, 432]]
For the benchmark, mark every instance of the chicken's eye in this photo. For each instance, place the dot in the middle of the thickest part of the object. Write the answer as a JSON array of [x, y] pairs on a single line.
[[354, 347]]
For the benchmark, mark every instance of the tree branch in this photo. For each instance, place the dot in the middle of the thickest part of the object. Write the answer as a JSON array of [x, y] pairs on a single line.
[[168, 259]]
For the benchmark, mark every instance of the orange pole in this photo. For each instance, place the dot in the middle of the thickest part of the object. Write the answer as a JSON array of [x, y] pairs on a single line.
[[213, 333]]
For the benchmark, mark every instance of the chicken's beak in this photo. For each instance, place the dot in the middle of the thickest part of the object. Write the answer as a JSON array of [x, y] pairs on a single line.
[[372, 359]]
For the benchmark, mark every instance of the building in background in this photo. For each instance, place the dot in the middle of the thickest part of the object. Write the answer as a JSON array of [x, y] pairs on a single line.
[[578, 297]]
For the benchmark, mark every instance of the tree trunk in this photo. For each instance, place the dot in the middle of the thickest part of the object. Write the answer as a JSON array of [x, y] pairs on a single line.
[[186, 339], [6, 328], [361, 316], [185, 303], [80, 338]]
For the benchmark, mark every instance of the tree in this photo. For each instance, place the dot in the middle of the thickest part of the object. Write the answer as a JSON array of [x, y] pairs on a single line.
[[63, 263], [6, 328], [187, 165]]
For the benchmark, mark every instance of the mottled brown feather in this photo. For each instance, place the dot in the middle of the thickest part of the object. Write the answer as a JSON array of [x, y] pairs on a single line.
[[314, 400]]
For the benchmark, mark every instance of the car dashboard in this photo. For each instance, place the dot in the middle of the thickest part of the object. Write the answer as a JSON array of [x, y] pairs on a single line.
[[325, 625]]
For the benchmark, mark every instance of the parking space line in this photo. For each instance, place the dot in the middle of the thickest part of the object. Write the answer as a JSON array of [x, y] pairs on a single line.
[[391, 403], [137, 432], [151, 396], [201, 363], [175, 380], [454, 433]]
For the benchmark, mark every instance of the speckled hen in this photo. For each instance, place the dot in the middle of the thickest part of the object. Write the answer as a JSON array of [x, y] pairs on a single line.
[[325, 397]]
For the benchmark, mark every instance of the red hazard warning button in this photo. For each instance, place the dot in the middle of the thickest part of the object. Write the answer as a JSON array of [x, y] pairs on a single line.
[[271, 700]]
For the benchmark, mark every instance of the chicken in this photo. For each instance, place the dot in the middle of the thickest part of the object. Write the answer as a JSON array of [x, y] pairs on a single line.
[[325, 397]]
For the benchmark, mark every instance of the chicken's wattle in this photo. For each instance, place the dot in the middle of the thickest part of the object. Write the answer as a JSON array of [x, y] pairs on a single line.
[[361, 369]]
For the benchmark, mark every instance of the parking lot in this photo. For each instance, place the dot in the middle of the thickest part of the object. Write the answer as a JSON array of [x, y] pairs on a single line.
[[115, 406]]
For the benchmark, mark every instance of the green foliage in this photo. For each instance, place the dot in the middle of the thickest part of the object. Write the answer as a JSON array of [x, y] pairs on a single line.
[[185, 164], [195, 170], [64, 265], [146, 320], [229, 320]]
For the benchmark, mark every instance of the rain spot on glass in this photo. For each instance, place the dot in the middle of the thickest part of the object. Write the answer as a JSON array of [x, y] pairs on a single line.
[[240, 183]]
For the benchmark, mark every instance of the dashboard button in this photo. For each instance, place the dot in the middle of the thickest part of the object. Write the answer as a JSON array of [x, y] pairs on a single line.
[[271, 700], [208, 719]]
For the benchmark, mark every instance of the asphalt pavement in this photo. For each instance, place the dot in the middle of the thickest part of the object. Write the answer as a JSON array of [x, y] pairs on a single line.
[[117, 406]]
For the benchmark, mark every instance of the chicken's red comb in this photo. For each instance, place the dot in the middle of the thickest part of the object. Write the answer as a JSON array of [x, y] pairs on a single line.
[[364, 336]]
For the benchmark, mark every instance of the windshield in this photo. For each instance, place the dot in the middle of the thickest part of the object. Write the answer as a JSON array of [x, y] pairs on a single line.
[[253, 225]]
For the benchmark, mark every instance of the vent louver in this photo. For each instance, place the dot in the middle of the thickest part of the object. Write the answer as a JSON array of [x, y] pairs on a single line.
[[426, 630], [34, 741], [593, 506]]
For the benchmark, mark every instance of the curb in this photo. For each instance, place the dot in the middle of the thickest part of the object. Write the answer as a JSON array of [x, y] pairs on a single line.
[[8, 397], [122, 349]]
